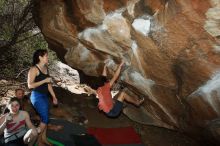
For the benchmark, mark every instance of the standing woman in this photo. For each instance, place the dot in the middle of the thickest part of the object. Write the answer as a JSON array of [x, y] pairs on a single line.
[[40, 81]]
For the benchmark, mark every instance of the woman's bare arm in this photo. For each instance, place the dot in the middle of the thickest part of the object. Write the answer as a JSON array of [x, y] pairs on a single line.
[[28, 121], [3, 122], [117, 73], [31, 77], [50, 88]]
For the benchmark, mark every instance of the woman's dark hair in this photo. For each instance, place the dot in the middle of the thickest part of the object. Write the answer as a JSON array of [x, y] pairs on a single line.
[[14, 99], [37, 53], [19, 89]]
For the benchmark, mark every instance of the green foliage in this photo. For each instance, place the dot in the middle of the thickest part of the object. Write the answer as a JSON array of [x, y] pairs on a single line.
[[19, 38], [2, 3], [15, 18], [20, 58]]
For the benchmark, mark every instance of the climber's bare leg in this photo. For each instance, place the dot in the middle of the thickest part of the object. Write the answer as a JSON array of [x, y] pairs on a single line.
[[134, 100]]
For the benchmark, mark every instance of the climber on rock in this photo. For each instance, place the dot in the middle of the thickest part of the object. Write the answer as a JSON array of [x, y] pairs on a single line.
[[112, 107]]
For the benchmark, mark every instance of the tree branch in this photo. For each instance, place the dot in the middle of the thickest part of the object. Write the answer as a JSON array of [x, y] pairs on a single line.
[[21, 72], [27, 38]]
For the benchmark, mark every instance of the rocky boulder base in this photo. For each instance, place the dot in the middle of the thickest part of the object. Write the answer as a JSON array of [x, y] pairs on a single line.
[[171, 49]]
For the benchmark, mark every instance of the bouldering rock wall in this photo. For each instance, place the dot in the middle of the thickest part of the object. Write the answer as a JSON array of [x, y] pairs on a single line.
[[171, 49]]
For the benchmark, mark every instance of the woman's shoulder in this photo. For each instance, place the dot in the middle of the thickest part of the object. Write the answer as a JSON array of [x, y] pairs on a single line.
[[24, 113], [33, 69]]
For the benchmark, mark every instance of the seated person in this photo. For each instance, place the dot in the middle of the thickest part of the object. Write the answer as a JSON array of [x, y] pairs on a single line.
[[24, 105], [112, 107], [15, 124], [19, 94]]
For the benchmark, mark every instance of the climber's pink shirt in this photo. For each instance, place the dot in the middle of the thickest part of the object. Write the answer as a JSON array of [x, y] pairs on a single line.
[[105, 98]]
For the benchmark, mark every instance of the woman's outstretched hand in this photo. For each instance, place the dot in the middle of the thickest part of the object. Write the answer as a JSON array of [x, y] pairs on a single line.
[[48, 80], [55, 101]]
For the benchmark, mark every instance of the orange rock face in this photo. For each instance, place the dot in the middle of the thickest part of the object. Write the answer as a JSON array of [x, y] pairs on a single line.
[[171, 49]]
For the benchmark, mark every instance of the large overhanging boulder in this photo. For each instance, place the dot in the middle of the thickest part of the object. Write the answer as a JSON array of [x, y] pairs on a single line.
[[171, 49]]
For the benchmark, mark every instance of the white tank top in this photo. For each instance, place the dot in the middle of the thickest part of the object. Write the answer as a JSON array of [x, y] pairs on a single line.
[[16, 128]]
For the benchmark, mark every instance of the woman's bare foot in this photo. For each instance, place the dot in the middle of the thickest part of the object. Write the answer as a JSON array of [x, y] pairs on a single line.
[[45, 141], [40, 144], [55, 127]]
